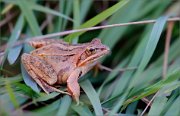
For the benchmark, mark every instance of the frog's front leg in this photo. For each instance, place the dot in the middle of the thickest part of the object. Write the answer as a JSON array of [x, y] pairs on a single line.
[[73, 85], [41, 72]]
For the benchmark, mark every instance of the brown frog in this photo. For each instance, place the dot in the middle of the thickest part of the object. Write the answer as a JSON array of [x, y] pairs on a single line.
[[57, 62]]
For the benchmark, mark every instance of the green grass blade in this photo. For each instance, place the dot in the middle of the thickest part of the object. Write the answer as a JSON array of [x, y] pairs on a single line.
[[46, 97], [98, 18], [137, 55], [28, 80], [112, 35], [112, 75], [93, 97], [170, 102], [48, 10], [82, 110], [157, 105], [30, 17], [13, 54], [49, 109], [154, 88], [150, 48], [14, 36], [76, 15], [64, 106], [174, 108], [15, 79], [60, 19], [85, 6], [11, 95], [67, 11]]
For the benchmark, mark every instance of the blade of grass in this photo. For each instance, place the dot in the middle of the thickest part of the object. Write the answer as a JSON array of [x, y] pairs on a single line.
[[112, 75], [157, 105], [154, 88], [26, 90], [97, 19], [12, 80], [64, 106], [48, 109], [33, 6], [154, 73], [150, 48], [65, 7], [60, 19], [67, 12], [11, 95], [82, 110], [48, 10], [30, 17], [126, 76], [45, 97], [14, 54], [170, 102], [111, 36], [84, 8], [28, 80], [76, 15], [174, 108], [14, 36], [92, 95]]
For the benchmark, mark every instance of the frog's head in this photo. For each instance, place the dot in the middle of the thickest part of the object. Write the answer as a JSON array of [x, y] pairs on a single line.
[[92, 52]]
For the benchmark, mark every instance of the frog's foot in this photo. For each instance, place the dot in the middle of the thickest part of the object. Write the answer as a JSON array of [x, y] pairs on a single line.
[[74, 90], [50, 88], [73, 86]]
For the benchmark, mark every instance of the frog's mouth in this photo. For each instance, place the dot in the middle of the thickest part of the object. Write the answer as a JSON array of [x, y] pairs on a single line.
[[94, 57]]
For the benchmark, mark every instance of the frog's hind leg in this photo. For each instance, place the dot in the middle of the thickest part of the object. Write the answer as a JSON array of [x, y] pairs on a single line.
[[52, 89], [41, 72]]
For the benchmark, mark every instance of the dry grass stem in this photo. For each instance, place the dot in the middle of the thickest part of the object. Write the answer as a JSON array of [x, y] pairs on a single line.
[[167, 43]]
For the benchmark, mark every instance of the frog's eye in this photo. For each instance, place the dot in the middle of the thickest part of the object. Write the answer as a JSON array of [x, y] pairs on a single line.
[[91, 50]]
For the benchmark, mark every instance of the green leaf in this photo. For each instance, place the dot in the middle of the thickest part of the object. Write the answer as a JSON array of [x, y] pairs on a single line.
[[30, 17], [92, 95], [64, 106], [97, 19]]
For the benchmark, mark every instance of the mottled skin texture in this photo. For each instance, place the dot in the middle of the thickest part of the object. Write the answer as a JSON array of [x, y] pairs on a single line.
[[57, 62]]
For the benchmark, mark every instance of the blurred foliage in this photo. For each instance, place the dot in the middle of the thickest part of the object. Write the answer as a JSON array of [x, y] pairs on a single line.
[[108, 93]]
